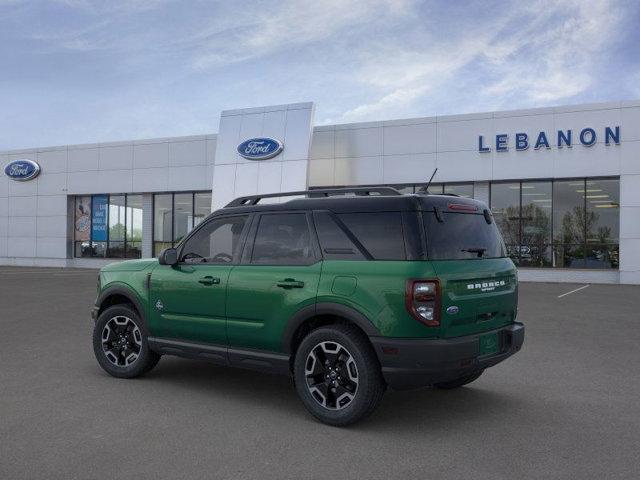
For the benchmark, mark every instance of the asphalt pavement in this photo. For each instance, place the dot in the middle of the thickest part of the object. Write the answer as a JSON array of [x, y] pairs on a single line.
[[566, 407]]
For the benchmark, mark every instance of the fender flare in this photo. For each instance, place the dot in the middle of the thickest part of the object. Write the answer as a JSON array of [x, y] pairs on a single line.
[[326, 308], [125, 292]]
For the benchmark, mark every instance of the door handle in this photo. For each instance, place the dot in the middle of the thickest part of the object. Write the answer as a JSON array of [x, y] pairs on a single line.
[[290, 283], [209, 280]]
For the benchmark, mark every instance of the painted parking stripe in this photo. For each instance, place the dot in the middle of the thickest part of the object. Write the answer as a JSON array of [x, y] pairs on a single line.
[[573, 291]]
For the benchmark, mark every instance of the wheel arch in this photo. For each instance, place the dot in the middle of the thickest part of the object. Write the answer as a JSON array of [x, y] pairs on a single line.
[[320, 314], [118, 295]]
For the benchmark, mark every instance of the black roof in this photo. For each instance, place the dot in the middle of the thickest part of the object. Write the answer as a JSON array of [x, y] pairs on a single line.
[[358, 203]]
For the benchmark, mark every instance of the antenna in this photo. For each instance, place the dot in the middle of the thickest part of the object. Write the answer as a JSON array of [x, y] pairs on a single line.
[[426, 188]]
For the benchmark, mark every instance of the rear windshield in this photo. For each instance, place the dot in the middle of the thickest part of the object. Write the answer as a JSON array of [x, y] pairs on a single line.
[[462, 236]]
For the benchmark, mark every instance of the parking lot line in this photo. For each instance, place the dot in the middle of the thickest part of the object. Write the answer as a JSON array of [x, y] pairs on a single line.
[[573, 291]]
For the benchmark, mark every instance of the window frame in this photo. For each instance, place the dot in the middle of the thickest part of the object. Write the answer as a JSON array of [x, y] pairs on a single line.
[[553, 245], [249, 245], [173, 242], [125, 240], [243, 238]]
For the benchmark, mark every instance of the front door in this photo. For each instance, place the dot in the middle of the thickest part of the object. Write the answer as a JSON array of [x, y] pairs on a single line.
[[187, 300], [278, 276]]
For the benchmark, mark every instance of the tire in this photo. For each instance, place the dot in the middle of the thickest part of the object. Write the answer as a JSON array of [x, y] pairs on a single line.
[[337, 375], [120, 343], [459, 382]]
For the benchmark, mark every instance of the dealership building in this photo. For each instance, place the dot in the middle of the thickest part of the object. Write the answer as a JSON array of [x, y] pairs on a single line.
[[563, 182]]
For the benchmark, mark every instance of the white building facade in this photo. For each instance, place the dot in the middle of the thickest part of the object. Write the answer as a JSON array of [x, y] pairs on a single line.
[[563, 182]]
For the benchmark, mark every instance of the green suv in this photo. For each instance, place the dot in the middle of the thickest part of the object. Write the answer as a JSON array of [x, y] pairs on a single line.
[[347, 290]]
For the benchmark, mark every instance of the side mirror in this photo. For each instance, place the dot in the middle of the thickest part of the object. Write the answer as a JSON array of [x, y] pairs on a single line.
[[168, 256]]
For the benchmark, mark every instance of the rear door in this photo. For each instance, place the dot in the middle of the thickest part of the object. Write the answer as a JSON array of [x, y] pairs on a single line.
[[478, 282], [278, 275]]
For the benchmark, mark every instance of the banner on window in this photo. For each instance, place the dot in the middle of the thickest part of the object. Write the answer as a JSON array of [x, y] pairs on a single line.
[[83, 219], [99, 218]]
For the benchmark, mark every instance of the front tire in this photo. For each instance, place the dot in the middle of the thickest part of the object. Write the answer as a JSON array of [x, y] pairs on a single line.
[[120, 343], [337, 375]]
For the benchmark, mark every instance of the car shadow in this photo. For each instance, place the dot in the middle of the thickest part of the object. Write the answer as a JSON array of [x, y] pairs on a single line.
[[403, 411]]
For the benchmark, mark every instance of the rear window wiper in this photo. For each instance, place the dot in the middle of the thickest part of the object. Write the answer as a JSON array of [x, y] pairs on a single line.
[[479, 250]]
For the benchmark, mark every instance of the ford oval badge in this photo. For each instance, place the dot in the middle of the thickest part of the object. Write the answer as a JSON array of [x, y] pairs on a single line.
[[452, 310], [260, 148], [22, 170]]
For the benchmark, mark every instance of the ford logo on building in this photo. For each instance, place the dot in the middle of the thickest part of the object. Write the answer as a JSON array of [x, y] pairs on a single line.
[[22, 170], [260, 148]]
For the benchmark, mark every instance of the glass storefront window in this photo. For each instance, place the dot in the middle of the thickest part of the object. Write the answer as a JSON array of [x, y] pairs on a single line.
[[569, 223], [461, 189], [175, 215], [434, 188], [505, 205], [134, 226], [602, 224], [201, 207], [117, 220], [535, 242], [82, 227], [162, 222], [182, 215], [564, 223], [108, 226]]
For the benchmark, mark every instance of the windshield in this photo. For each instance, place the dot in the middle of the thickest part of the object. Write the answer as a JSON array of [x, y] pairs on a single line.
[[462, 236]]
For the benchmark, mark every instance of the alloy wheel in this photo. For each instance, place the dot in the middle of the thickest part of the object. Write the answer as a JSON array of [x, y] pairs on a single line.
[[121, 341], [332, 375]]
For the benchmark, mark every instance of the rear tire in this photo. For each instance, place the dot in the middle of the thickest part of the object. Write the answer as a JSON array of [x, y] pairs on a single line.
[[120, 343], [459, 382], [337, 375]]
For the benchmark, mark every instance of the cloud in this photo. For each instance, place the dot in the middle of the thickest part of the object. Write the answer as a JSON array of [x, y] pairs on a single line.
[[541, 53], [124, 69], [264, 31], [555, 63]]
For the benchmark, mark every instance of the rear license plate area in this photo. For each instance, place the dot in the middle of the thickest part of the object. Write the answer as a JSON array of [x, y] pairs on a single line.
[[489, 344]]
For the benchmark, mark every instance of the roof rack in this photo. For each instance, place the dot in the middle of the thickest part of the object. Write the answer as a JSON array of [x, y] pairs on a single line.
[[321, 192]]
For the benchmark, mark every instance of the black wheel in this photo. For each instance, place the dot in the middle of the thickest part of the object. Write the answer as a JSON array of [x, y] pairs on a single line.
[[337, 375], [459, 382], [120, 343]]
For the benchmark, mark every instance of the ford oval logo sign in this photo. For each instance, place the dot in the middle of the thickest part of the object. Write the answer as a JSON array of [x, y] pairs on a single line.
[[260, 148], [22, 170]]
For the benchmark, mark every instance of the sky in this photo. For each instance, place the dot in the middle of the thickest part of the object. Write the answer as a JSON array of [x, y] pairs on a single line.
[[80, 71]]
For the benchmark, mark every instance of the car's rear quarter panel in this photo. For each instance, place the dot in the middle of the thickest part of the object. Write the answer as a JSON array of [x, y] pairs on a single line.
[[377, 290]]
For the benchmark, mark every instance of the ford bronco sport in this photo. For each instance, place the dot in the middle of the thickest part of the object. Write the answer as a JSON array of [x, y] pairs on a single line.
[[348, 294]]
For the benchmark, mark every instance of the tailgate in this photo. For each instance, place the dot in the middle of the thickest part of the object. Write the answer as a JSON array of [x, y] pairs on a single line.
[[477, 295]]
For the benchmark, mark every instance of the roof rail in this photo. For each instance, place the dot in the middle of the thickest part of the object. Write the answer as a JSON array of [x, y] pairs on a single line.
[[321, 192]]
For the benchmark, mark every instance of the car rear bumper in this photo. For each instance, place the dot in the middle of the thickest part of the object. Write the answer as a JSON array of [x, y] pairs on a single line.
[[411, 363]]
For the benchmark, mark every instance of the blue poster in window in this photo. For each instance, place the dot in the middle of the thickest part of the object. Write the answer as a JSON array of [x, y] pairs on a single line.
[[99, 218]]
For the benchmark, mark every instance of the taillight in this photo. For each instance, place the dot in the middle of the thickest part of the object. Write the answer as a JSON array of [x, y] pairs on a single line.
[[422, 300]]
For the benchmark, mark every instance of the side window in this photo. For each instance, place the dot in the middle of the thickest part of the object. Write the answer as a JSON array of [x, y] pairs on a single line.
[[283, 239], [334, 242], [217, 242], [380, 233]]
